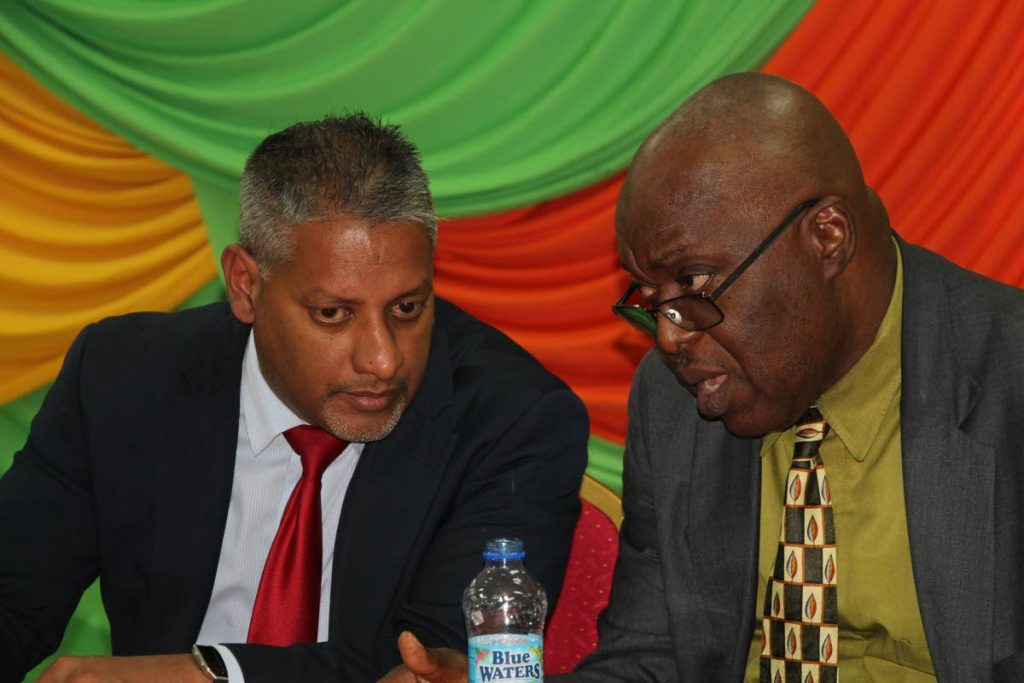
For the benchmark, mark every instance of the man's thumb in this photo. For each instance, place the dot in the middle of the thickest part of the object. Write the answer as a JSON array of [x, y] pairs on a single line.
[[417, 658]]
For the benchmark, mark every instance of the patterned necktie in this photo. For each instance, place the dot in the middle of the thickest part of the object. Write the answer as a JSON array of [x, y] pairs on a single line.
[[800, 641], [287, 607]]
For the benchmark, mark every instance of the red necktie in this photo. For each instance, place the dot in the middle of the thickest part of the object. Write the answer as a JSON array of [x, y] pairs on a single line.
[[287, 607]]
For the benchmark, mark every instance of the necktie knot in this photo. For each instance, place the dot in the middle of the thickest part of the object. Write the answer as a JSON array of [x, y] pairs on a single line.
[[316, 448], [809, 433]]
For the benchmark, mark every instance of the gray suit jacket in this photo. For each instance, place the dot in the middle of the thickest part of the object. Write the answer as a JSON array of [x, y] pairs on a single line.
[[682, 604]]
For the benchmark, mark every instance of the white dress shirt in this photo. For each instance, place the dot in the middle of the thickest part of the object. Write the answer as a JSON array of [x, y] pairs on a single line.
[[266, 472]]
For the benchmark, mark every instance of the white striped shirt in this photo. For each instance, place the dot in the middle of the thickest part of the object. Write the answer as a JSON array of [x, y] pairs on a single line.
[[266, 472]]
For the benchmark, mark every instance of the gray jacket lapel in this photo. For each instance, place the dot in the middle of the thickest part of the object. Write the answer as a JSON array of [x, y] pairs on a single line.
[[723, 493], [949, 479]]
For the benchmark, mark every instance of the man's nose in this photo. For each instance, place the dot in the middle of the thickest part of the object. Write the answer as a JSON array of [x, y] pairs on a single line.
[[376, 350], [671, 338]]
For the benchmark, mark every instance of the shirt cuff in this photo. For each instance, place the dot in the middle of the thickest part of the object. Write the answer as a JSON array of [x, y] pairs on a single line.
[[231, 664]]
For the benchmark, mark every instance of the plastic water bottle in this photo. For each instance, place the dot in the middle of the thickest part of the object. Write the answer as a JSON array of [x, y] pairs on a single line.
[[505, 609]]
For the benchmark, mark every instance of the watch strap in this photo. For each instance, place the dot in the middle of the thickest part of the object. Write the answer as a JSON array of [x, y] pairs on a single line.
[[210, 662]]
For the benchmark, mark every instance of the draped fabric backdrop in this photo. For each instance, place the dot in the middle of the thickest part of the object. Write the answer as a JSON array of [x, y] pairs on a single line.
[[124, 126]]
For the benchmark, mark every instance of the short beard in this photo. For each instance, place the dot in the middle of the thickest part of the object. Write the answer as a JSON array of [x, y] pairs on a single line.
[[336, 424]]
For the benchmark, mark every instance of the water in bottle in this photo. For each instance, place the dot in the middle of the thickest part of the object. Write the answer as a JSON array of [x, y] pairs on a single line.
[[505, 609]]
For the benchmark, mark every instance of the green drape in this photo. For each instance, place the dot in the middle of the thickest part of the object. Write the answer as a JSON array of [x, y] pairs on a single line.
[[510, 102]]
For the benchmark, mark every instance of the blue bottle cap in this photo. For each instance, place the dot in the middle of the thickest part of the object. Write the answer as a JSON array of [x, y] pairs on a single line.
[[504, 549]]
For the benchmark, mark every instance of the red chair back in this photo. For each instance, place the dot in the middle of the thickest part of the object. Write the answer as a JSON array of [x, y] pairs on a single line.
[[572, 631]]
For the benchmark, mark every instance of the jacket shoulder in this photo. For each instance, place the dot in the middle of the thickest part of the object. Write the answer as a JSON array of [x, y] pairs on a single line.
[[488, 361], [986, 317], [164, 329], [152, 346], [495, 382], [961, 350]]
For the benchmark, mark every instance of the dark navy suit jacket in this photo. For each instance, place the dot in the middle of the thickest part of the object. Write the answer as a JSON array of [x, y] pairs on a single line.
[[127, 471]]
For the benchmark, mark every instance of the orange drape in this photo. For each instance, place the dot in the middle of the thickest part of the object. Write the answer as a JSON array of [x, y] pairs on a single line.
[[89, 227], [547, 275], [932, 95]]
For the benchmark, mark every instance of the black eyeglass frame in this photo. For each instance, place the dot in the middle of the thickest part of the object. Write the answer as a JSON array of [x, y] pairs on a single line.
[[649, 323]]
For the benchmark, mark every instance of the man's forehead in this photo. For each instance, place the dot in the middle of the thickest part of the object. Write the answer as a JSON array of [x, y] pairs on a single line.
[[667, 247], [645, 248], [676, 180], [354, 259], [685, 189], [671, 236], [361, 291], [663, 211]]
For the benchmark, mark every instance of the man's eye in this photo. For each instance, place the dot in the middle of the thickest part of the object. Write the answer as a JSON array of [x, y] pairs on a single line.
[[329, 315], [695, 282], [407, 310], [672, 314]]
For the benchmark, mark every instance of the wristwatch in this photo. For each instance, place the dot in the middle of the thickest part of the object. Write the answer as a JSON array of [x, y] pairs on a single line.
[[210, 662]]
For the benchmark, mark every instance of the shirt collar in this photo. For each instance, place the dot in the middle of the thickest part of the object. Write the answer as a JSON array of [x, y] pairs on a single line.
[[854, 406], [266, 415]]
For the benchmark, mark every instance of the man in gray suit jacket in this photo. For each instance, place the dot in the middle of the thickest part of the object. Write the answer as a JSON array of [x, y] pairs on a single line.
[[837, 298]]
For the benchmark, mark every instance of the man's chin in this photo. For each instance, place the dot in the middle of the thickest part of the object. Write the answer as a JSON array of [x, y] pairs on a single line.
[[363, 428], [748, 423], [742, 428]]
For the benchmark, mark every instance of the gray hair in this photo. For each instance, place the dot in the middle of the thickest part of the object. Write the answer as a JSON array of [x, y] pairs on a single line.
[[312, 171]]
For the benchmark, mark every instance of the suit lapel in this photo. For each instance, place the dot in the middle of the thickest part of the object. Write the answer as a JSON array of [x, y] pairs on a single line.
[[949, 479], [721, 539], [195, 463], [388, 501]]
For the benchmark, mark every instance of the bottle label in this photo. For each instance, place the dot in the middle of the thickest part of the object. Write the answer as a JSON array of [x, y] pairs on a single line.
[[506, 657]]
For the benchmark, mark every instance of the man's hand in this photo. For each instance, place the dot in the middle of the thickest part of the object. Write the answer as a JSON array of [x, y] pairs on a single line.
[[155, 669], [437, 665]]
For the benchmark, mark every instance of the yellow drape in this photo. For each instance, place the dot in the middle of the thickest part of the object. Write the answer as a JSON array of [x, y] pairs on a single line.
[[89, 227]]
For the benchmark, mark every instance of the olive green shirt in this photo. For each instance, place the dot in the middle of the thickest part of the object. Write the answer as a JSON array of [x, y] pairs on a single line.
[[881, 637]]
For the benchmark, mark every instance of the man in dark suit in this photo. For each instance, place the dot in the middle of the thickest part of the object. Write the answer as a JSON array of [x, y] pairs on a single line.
[[174, 457], [770, 277]]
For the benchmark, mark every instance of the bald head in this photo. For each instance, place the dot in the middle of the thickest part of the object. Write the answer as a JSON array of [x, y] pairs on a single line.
[[746, 154], [753, 139]]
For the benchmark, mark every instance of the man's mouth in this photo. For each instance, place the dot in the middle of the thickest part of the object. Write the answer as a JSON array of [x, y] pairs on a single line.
[[711, 384], [372, 402], [712, 395]]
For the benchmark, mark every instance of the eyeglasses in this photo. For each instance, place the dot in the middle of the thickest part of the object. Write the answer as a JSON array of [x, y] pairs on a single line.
[[696, 312]]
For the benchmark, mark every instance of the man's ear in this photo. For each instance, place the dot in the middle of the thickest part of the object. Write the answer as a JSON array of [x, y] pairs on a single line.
[[243, 280], [833, 233]]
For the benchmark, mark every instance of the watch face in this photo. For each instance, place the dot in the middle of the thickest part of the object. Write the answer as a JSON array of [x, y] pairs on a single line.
[[213, 661]]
